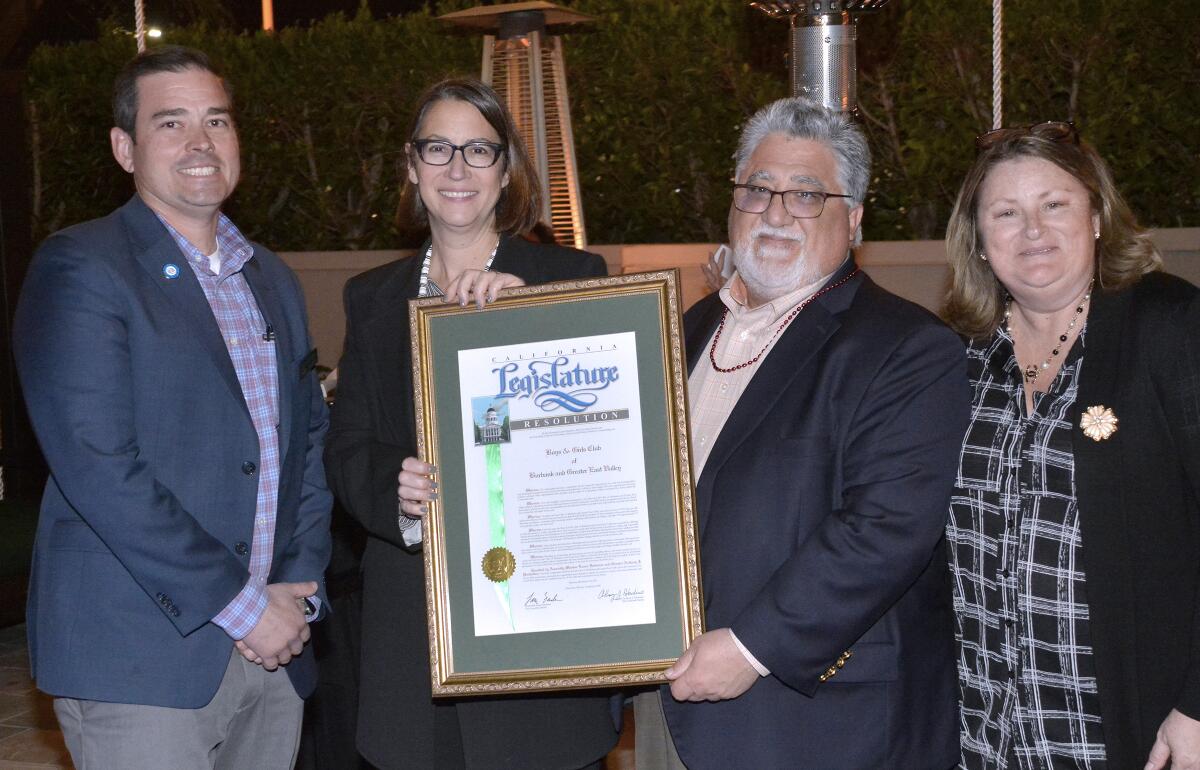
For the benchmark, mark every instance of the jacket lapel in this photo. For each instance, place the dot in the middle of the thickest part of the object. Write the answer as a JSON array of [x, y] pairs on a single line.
[[1102, 350], [1103, 520], [1097, 461], [513, 255], [704, 327], [158, 254], [795, 348]]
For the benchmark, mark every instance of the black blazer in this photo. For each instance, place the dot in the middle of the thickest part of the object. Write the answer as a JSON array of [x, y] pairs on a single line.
[[372, 431], [1139, 515], [821, 513]]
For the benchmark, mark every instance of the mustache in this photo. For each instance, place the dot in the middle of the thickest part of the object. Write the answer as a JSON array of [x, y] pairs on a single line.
[[762, 229], [746, 251]]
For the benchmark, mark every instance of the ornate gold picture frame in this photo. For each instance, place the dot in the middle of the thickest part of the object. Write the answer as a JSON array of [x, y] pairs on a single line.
[[562, 551]]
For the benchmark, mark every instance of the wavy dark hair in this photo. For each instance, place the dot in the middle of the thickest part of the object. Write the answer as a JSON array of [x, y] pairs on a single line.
[[519, 207]]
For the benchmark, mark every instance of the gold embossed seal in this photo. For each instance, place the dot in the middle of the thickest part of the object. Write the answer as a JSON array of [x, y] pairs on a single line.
[[1098, 422], [499, 564]]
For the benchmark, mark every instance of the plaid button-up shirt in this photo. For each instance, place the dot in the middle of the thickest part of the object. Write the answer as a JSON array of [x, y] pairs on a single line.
[[243, 328], [1026, 672]]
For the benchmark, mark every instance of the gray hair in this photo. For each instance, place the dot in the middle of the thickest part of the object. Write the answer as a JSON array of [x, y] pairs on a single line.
[[800, 118]]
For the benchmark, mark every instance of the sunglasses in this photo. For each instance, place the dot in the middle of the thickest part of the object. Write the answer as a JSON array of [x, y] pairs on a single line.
[[1054, 130]]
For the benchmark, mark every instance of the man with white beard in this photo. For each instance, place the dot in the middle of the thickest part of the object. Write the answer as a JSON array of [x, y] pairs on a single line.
[[826, 417]]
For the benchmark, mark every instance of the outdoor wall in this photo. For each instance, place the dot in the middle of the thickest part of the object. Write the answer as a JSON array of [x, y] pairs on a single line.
[[913, 269]]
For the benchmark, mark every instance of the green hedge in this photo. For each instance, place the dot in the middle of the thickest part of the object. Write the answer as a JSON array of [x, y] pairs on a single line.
[[659, 89]]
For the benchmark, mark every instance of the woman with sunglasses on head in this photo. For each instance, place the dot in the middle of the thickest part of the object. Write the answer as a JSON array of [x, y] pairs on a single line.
[[470, 180], [1074, 530]]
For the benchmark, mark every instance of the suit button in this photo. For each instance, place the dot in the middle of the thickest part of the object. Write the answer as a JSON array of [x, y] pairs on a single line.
[[249, 468], [174, 612], [241, 548]]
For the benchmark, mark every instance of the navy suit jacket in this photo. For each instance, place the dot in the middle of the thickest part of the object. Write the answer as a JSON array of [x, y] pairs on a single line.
[[150, 505], [821, 512]]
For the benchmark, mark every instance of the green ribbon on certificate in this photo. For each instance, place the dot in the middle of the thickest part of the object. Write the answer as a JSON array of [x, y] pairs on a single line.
[[495, 500]]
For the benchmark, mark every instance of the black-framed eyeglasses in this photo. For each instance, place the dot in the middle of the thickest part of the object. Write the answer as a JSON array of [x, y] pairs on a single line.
[[1054, 130], [801, 204], [438, 152]]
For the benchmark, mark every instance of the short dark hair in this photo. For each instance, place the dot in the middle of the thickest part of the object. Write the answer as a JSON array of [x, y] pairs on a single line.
[[166, 58], [519, 207]]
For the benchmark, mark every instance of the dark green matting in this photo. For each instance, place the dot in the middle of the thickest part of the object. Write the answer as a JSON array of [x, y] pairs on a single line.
[[527, 324]]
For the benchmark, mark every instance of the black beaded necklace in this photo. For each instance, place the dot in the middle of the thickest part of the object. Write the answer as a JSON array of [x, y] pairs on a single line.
[[712, 350], [1033, 371]]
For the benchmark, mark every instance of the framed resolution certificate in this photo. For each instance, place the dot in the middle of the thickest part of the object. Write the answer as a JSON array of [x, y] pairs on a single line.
[[561, 552]]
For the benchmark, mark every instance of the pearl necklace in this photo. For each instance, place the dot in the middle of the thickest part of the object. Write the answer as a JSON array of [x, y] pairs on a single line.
[[428, 288], [1033, 371], [712, 350]]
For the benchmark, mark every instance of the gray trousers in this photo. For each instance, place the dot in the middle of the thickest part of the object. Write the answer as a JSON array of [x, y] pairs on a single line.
[[252, 722], [653, 748]]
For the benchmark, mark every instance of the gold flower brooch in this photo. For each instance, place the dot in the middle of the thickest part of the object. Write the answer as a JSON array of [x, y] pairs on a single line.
[[1098, 422]]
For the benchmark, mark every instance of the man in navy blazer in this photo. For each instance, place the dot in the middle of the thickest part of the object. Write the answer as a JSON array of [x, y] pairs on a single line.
[[826, 419], [184, 529]]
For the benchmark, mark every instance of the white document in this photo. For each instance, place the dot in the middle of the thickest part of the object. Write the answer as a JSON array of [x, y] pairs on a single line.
[[556, 485]]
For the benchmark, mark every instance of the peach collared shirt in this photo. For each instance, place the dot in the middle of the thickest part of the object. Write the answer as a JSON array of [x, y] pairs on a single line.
[[714, 394], [747, 330]]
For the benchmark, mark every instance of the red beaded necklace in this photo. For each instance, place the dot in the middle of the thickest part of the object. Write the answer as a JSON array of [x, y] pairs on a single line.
[[712, 350]]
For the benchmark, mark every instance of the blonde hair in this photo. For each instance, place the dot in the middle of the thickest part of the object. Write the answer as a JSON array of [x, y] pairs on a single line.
[[975, 301]]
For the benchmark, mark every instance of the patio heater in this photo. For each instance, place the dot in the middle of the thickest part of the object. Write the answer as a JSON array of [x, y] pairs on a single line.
[[523, 61], [822, 59]]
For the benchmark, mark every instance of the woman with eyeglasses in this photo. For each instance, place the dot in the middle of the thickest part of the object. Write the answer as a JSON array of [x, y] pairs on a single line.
[[470, 180], [1074, 532]]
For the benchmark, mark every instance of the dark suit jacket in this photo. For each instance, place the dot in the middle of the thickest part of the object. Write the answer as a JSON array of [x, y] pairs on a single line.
[[149, 506], [373, 430], [1139, 508], [821, 511]]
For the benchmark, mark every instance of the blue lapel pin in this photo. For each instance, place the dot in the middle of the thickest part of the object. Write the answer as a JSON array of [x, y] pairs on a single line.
[[170, 271]]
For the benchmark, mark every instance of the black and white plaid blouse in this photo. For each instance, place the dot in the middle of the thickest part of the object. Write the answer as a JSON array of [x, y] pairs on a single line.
[[1026, 674]]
